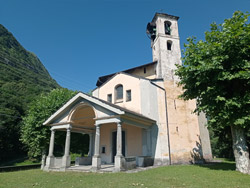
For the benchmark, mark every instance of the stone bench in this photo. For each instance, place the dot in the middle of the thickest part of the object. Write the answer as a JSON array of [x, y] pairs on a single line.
[[83, 161], [130, 162], [144, 161]]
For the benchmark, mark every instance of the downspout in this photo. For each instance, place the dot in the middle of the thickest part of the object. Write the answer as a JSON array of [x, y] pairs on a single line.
[[166, 106]]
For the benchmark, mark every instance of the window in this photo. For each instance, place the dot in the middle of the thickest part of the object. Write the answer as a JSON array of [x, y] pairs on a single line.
[[145, 70], [128, 95], [103, 149], [169, 45], [109, 98], [118, 93], [167, 27]]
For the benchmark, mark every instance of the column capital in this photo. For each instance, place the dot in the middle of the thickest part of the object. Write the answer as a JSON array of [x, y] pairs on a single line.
[[97, 124], [119, 124], [66, 126]]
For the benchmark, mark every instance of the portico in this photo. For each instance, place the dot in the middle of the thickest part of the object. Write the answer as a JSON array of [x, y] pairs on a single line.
[[101, 120]]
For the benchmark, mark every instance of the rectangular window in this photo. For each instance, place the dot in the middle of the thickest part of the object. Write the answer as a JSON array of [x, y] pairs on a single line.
[[169, 45], [109, 98], [128, 95], [103, 149]]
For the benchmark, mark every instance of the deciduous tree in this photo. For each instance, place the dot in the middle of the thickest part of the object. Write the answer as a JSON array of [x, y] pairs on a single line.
[[33, 133]]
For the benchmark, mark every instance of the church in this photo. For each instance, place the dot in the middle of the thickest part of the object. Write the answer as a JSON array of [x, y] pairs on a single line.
[[135, 118]]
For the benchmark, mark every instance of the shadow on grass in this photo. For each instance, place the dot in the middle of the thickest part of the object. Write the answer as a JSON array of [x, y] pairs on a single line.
[[19, 161], [227, 166]]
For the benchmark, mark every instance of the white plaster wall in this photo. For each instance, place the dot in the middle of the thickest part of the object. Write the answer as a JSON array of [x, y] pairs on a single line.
[[95, 92], [153, 106], [149, 106], [162, 149], [204, 136], [166, 58]]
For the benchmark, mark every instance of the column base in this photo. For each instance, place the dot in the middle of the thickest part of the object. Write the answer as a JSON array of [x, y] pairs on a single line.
[[96, 163], [49, 163], [66, 161], [119, 163]]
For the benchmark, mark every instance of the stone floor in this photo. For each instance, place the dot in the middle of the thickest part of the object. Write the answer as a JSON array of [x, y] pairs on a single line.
[[104, 168], [87, 168]]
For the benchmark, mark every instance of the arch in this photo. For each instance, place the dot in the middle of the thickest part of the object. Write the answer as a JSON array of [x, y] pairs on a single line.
[[119, 93], [83, 114], [167, 25]]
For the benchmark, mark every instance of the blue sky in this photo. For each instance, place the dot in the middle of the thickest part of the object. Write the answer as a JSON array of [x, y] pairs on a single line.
[[80, 40]]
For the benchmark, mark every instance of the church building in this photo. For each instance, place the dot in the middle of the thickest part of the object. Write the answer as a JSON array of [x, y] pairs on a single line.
[[135, 117]]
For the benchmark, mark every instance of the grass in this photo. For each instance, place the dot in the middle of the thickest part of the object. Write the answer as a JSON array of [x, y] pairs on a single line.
[[220, 175]]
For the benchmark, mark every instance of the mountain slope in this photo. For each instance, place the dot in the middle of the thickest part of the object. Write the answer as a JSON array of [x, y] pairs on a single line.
[[22, 78]]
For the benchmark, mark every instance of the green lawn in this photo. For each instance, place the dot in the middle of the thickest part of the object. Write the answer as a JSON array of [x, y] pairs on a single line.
[[216, 175]]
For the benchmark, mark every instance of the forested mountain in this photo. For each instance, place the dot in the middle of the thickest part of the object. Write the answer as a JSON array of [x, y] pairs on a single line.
[[22, 78]]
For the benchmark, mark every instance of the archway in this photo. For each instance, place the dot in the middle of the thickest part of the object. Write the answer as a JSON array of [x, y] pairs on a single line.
[[82, 120]]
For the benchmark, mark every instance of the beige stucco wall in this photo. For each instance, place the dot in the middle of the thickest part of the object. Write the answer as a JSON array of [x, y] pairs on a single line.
[[183, 125], [129, 83], [150, 72], [133, 141]]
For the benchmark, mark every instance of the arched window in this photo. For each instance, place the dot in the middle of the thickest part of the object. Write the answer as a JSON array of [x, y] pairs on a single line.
[[118, 93], [169, 45], [167, 27]]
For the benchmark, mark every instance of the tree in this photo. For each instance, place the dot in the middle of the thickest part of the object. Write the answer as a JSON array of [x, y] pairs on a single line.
[[34, 134], [216, 72]]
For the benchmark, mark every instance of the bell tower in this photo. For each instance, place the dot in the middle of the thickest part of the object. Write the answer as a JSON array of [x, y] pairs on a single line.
[[165, 44]]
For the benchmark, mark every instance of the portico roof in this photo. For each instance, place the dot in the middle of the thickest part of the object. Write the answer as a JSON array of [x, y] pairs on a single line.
[[115, 111]]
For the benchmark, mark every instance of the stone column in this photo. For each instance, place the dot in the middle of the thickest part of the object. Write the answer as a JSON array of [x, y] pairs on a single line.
[[96, 160], [119, 159], [51, 144], [66, 158], [67, 143], [119, 140], [148, 142], [90, 144], [50, 158]]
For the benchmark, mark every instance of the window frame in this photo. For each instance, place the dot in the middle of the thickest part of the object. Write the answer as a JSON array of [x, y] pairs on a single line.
[[169, 45], [167, 24], [130, 98], [120, 99]]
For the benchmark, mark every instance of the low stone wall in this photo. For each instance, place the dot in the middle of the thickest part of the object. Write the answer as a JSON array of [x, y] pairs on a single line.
[[130, 163], [83, 161], [144, 161], [57, 162]]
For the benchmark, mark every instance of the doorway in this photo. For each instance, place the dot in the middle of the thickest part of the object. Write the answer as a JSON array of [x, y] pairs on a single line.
[[114, 136]]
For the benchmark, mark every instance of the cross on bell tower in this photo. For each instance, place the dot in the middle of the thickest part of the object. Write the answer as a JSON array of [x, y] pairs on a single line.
[[165, 44]]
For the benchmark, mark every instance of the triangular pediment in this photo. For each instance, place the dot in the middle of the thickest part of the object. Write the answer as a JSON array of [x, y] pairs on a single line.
[[102, 107]]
